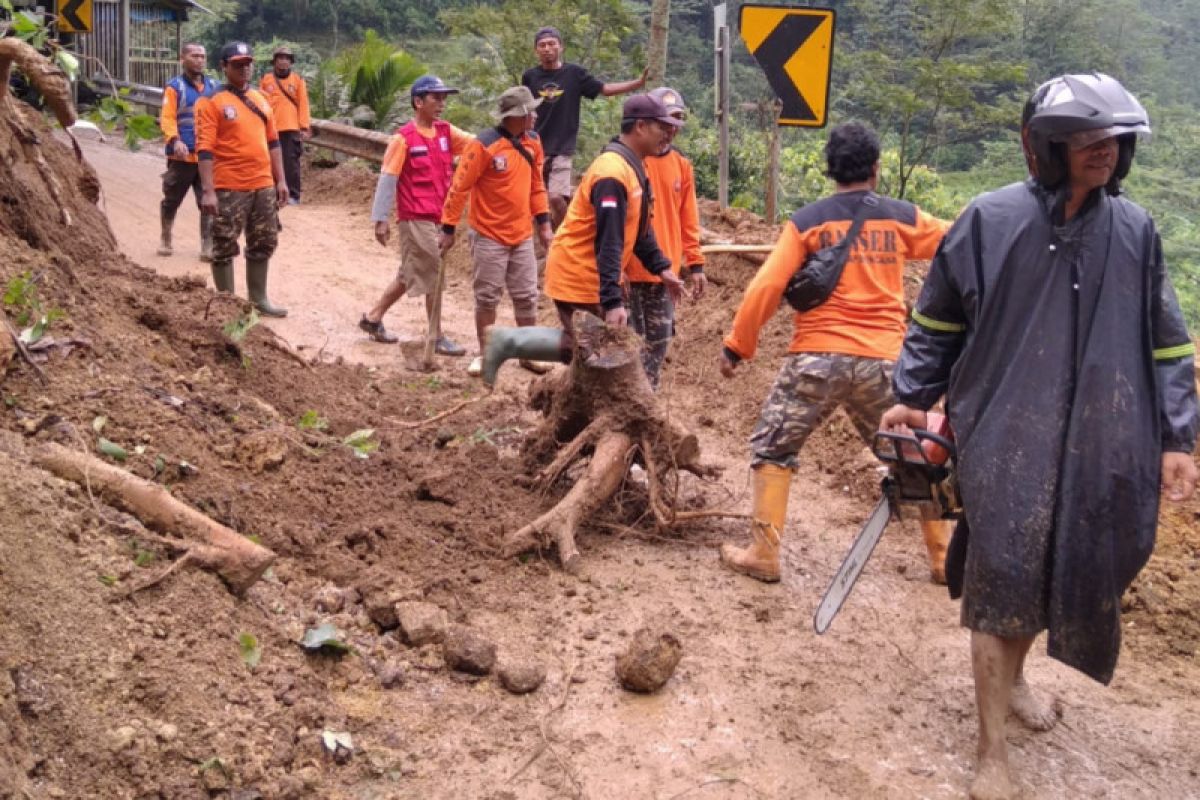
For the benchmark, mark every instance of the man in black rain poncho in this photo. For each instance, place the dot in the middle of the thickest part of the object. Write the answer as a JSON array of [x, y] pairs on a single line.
[[1049, 324]]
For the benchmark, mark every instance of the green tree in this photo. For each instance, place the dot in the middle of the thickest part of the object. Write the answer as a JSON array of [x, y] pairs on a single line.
[[375, 73]]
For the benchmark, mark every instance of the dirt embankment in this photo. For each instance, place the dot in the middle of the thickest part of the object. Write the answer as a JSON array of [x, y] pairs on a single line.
[[103, 695]]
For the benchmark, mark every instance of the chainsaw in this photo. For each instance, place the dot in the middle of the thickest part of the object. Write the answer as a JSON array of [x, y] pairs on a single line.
[[920, 471]]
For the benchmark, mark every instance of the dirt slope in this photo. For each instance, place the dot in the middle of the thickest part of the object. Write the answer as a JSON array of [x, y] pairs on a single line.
[[108, 697]]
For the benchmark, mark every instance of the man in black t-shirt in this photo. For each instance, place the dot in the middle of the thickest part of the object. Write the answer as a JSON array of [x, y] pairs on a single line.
[[561, 87]]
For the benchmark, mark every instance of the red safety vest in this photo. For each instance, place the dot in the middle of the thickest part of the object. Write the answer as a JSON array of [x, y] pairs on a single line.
[[425, 178]]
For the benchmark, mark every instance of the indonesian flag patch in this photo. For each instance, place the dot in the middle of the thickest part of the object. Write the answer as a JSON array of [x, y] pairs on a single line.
[[609, 201]]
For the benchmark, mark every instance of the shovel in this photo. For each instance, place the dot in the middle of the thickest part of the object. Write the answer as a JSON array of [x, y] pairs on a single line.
[[435, 319]]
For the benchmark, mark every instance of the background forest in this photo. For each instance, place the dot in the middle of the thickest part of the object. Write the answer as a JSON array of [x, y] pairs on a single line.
[[942, 81]]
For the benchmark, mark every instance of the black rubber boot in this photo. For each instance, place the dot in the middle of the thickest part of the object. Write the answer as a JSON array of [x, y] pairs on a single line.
[[256, 288], [164, 244]]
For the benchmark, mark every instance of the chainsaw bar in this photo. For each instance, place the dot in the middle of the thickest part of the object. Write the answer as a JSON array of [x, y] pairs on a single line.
[[852, 566]]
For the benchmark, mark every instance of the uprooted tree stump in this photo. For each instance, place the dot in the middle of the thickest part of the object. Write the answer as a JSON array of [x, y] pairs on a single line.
[[206, 543], [602, 407]]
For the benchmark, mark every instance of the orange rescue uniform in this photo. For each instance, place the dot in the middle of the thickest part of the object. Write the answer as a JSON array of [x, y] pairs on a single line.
[[599, 236], [289, 100], [865, 315], [506, 191], [237, 140], [676, 218]]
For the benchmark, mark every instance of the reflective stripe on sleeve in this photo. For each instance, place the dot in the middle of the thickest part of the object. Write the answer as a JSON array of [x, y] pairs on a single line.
[[936, 324], [1176, 351]]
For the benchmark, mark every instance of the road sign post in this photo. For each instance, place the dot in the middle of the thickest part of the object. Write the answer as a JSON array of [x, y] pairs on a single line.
[[794, 47], [721, 61]]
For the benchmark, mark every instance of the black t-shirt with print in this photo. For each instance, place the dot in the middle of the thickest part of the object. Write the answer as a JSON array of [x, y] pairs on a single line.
[[558, 115]]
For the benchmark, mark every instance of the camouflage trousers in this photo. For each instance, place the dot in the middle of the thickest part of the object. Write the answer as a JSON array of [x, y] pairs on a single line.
[[808, 389], [254, 212], [652, 315]]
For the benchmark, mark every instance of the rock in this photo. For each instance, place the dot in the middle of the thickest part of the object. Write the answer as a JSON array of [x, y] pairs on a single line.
[[382, 610], [649, 661], [521, 677], [263, 450], [120, 738], [421, 623], [468, 651], [391, 675], [165, 731], [329, 599], [214, 776]]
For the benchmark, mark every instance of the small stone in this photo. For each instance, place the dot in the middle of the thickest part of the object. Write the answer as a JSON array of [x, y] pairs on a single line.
[[216, 777], [382, 611], [166, 732], [521, 677], [649, 661], [120, 738], [421, 623], [391, 675], [330, 599], [468, 651]]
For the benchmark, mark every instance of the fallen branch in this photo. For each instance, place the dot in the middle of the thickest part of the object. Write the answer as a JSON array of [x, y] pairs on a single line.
[[399, 423], [23, 351], [209, 544]]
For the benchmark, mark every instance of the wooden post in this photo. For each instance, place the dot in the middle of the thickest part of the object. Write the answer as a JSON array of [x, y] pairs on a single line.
[[772, 203]]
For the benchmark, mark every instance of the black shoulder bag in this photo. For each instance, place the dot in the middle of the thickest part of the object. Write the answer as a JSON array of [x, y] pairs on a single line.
[[813, 283], [635, 163]]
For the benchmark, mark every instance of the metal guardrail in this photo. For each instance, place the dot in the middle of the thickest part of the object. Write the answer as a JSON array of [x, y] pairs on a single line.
[[369, 145]]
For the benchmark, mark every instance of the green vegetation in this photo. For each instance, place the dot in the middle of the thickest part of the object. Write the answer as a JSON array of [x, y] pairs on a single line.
[[942, 80]]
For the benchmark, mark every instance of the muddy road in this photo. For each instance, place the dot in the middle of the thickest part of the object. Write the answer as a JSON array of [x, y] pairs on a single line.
[[760, 707]]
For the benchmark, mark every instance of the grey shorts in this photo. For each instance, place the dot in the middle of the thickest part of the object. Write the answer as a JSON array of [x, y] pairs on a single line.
[[419, 257], [499, 267], [557, 174]]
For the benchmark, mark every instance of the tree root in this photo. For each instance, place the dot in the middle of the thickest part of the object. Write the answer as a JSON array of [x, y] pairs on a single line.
[[408, 426], [209, 544]]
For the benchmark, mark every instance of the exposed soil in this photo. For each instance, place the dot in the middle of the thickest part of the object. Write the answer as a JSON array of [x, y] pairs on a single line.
[[148, 696]]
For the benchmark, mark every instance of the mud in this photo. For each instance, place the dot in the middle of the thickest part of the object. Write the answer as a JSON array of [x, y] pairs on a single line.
[[152, 696]]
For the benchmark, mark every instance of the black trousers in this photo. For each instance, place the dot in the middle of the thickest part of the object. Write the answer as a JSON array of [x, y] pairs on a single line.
[[291, 147], [180, 177]]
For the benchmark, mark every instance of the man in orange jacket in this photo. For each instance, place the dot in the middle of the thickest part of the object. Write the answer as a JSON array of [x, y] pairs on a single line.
[[843, 351], [501, 172], [288, 94], [242, 174], [607, 223], [676, 225], [178, 123]]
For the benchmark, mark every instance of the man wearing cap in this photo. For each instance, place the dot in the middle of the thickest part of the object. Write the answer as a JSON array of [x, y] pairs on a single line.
[[288, 94], [607, 223], [413, 183], [501, 172], [178, 123], [561, 86], [242, 175], [676, 225]]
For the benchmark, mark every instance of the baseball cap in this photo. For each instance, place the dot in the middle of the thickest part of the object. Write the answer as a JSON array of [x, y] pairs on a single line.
[[427, 84], [644, 106], [548, 31], [670, 98], [283, 50], [236, 51], [515, 102]]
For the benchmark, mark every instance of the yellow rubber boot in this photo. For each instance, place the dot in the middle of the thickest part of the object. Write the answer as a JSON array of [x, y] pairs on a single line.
[[937, 541], [761, 559]]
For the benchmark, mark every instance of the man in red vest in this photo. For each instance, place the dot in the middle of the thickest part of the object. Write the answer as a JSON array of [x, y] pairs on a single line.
[[413, 184]]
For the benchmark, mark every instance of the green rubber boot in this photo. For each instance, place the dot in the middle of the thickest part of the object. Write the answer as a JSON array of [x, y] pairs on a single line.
[[167, 221], [222, 274], [538, 344], [256, 288]]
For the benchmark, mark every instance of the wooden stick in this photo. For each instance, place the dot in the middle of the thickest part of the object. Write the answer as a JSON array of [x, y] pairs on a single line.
[[736, 248], [239, 561], [23, 351]]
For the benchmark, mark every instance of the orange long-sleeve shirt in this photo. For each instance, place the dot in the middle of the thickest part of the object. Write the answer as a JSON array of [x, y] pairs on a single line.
[[865, 314], [676, 219], [506, 191], [236, 140], [289, 100]]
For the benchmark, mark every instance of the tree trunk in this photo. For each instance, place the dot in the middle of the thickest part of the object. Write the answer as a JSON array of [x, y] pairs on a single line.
[[601, 406], [656, 55], [239, 561]]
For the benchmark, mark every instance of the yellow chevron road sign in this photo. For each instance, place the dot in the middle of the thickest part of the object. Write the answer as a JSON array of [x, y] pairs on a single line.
[[794, 46]]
